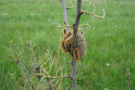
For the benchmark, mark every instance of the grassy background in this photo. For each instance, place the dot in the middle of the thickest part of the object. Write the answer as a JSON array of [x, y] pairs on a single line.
[[111, 40]]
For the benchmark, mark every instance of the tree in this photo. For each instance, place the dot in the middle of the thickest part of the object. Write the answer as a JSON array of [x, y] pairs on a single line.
[[75, 42], [44, 73]]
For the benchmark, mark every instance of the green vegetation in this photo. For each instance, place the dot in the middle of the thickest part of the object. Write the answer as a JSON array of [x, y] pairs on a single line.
[[110, 59]]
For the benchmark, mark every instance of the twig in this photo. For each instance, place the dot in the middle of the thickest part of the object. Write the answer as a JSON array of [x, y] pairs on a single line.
[[65, 26], [77, 19], [28, 82], [54, 77], [128, 81], [71, 7], [91, 13], [18, 61], [31, 46], [75, 27], [50, 87], [36, 46], [84, 25], [69, 77], [65, 14]]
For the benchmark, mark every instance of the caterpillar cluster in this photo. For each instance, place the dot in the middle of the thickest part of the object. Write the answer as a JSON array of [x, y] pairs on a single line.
[[68, 39]]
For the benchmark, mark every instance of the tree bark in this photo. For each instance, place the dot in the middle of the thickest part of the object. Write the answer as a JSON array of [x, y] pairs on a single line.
[[74, 45], [65, 14]]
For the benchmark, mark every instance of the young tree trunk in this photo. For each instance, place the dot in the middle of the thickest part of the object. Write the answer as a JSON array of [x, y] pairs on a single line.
[[75, 28]]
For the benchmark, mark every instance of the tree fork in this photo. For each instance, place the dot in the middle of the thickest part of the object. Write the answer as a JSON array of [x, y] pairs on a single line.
[[75, 28]]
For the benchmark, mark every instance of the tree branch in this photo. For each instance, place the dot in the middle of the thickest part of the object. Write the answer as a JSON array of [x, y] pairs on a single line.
[[71, 7], [77, 19], [32, 50], [75, 27], [65, 14], [54, 77], [92, 13], [18, 61], [65, 26]]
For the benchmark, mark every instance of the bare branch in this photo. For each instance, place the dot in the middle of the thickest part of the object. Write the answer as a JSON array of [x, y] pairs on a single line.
[[77, 19], [84, 25], [15, 51], [91, 13], [65, 14], [54, 77], [69, 77], [74, 72], [75, 27], [18, 61], [50, 87], [37, 46], [71, 7], [28, 82], [65, 26], [31, 46]]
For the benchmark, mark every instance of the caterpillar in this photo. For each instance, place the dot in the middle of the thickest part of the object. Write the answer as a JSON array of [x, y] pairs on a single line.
[[76, 54], [69, 37], [63, 46]]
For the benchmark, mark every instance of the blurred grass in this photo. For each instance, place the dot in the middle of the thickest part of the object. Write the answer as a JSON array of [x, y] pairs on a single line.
[[111, 40]]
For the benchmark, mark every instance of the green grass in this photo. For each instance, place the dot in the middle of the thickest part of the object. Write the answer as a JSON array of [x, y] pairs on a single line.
[[111, 40]]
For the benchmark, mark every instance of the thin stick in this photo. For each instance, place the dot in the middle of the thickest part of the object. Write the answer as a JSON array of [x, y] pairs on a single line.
[[50, 87], [33, 53], [91, 13], [71, 7], [54, 77], [18, 61], [65, 26], [65, 14], [84, 25]]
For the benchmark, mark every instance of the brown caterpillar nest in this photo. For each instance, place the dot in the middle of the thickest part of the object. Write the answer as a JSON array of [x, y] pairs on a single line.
[[81, 44], [80, 50]]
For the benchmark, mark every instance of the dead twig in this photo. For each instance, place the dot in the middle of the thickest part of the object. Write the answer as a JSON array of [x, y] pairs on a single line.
[[65, 15], [92, 13], [36, 46], [71, 7], [32, 50], [54, 77], [19, 62]]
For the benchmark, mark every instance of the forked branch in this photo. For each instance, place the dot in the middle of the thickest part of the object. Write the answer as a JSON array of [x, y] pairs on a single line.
[[75, 28], [19, 62], [32, 50]]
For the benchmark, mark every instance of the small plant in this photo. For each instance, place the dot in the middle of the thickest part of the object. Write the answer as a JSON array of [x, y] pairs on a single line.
[[46, 72], [43, 73]]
